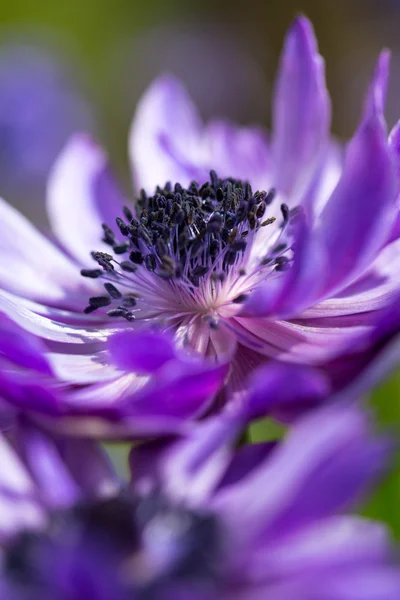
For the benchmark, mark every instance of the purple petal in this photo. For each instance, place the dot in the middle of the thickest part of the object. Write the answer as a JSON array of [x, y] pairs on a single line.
[[378, 582], [223, 342], [373, 291], [113, 426], [323, 183], [31, 265], [279, 387], [353, 227], [190, 468], [376, 97], [245, 459], [83, 368], [82, 195], [339, 542], [19, 508], [47, 467], [103, 397], [328, 459], [300, 287], [383, 358], [304, 341], [14, 477], [180, 390], [29, 393], [145, 463], [358, 218], [47, 327], [301, 113], [240, 152], [89, 466], [142, 352], [394, 145], [340, 478], [22, 348], [138, 406], [165, 140]]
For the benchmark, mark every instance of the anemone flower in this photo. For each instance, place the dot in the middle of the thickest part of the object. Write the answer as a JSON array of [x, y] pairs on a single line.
[[200, 520], [345, 258], [284, 251]]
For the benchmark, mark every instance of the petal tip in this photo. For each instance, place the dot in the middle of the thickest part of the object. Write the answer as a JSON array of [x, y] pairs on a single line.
[[303, 29], [376, 97], [78, 144], [166, 83], [385, 57]]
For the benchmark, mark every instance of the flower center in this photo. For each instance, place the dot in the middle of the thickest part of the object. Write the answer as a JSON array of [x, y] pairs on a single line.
[[189, 251], [142, 544]]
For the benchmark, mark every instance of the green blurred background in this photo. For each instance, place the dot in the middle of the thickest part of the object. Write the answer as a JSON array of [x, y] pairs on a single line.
[[103, 53]]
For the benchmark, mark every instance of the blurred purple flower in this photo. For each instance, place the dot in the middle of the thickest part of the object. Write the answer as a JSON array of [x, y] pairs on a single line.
[[240, 276], [40, 106], [200, 521], [45, 500], [280, 507]]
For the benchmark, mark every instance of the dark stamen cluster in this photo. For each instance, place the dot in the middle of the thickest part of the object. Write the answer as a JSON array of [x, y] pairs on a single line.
[[186, 230], [126, 301], [184, 234]]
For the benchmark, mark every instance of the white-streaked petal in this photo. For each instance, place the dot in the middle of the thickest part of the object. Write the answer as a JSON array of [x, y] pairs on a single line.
[[48, 328], [82, 195], [82, 368], [301, 113], [240, 152], [165, 138], [370, 292], [30, 264]]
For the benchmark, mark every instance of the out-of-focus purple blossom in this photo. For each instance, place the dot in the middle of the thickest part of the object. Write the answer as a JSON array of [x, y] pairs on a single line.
[[46, 553], [200, 521], [293, 265], [40, 106], [280, 507]]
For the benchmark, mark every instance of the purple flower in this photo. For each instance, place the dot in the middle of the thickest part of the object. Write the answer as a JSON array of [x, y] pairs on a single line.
[[40, 107], [200, 520], [345, 257], [45, 491], [292, 265]]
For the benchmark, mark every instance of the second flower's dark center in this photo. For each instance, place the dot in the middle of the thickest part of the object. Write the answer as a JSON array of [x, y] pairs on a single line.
[[138, 545]]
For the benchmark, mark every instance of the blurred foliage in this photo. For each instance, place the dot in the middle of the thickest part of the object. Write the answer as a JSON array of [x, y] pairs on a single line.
[[384, 504], [265, 430], [119, 454], [93, 24]]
